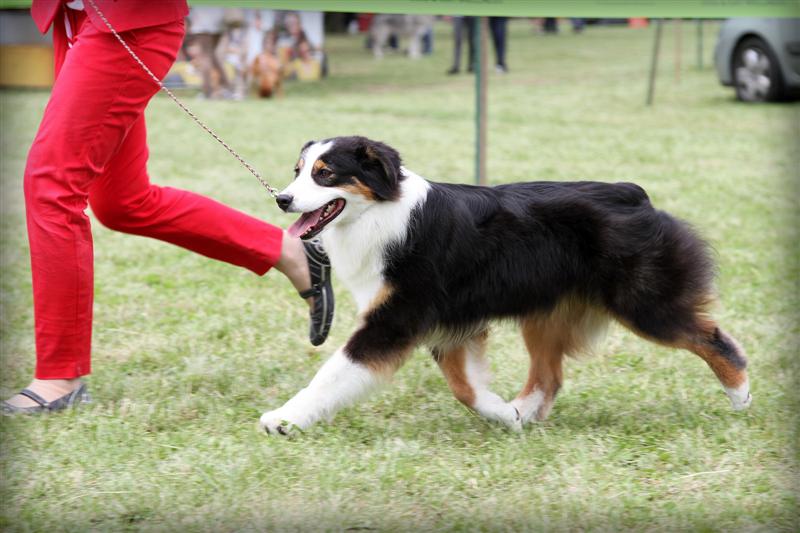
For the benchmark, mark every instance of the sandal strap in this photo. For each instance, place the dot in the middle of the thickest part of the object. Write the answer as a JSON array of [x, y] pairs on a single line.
[[315, 290], [35, 397]]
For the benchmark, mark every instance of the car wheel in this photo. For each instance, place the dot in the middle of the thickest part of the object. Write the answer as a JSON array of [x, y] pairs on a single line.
[[756, 73]]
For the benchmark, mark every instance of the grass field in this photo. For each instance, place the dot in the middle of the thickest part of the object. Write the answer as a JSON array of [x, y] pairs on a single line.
[[188, 352]]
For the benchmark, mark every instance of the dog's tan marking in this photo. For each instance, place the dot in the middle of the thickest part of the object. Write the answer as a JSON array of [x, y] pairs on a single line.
[[380, 298], [389, 363], [573, 324], [319, 164], [467, 373], [568, 329], [453, 365], [358, 187], [726, 372], [386, 366], [546, 347]]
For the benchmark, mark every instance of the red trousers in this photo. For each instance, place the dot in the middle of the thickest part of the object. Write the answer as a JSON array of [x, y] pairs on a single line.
[[91, 148]]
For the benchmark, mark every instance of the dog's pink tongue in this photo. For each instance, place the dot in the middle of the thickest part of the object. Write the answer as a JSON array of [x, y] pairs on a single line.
[[305, 221]]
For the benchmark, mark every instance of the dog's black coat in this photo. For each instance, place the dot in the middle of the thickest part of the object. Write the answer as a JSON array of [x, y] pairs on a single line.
[[476, 253], [518, 249]]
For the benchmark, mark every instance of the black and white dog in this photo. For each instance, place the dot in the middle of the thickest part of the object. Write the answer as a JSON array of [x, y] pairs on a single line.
[[435, 263]]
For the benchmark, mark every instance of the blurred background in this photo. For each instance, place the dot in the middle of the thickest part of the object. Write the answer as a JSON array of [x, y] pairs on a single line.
[[236, 53]]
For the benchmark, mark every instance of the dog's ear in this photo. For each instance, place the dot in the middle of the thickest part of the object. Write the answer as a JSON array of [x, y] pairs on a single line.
[[380, 168]]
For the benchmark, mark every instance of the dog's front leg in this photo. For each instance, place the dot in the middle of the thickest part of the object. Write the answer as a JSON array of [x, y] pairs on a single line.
[[340, 382], [371, 356]]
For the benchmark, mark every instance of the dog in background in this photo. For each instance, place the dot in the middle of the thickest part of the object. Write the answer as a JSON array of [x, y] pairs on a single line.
[[266, 75], [409, 27], [433, 263]]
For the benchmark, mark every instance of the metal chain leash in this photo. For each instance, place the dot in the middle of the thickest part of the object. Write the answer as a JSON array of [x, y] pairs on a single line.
[[272, 190]]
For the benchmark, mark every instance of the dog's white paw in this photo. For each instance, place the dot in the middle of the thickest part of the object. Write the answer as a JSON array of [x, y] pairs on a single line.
[[529, 406], [742, 405], [511, 418], [278, 422], [493, 407], [740, 397], [519, 405]]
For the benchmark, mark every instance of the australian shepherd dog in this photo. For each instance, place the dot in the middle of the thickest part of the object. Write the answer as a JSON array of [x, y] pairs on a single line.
[[434, 264]]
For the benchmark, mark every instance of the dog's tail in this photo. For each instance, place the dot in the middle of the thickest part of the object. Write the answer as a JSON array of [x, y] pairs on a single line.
[[666, 275]]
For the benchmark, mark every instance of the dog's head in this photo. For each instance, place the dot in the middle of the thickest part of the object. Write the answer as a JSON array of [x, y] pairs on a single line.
[[337, 179]]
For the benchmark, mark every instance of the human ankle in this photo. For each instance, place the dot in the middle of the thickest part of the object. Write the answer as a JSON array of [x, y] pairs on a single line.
[[62, 386], [48, 389], [293, 263]]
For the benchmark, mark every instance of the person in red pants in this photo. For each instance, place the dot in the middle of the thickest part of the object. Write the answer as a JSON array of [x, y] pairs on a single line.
[[91, 149]]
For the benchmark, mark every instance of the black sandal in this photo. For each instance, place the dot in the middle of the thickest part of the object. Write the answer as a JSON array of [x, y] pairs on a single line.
[[319, 267], [79, 395]]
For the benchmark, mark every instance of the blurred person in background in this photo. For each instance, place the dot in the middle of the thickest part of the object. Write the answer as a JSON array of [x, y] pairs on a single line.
[[232, 51], [466, 25], [205, 28], [550, 25], [497, 27], [304, 67], [298, 56], [463, 26]]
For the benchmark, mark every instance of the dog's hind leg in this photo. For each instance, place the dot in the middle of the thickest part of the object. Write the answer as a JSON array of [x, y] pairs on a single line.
[[546, 348], [723, 355], [466, 370], [701, 335], [571, 327]]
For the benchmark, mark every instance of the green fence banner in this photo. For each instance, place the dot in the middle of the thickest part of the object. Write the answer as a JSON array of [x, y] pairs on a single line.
[[521, 8]]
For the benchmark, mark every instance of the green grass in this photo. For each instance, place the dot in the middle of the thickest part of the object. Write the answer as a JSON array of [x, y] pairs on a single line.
[[189, 352]]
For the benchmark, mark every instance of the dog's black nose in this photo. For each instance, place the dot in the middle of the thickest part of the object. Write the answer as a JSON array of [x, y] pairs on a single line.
[[284, 201]]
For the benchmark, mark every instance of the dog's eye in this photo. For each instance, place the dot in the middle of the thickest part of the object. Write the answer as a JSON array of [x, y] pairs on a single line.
[[296, 171], [324, 173]]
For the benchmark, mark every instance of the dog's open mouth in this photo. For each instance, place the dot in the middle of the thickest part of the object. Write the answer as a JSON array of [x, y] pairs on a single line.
[[311, 223]]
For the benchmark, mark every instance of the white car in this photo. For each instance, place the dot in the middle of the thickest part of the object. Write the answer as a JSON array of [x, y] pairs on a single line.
[[760, 58]]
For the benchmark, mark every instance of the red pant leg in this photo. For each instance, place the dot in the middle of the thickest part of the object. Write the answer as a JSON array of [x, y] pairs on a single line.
[[123, 199], [91, 145], [100, 92]]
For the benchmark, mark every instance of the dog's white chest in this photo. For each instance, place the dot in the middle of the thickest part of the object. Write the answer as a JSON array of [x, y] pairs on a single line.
[[356, 265]]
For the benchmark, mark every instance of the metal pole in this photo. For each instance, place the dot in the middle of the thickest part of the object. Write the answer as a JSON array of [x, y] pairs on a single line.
[[654, 63], [678, 48], [479, 36], [700, 44]]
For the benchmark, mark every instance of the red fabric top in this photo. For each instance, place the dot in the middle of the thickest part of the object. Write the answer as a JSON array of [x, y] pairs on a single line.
[[123, 15]]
